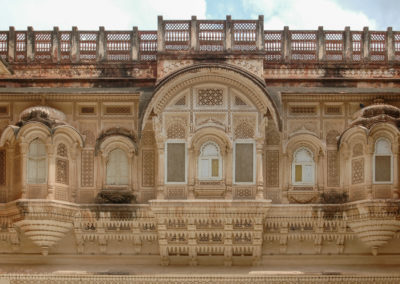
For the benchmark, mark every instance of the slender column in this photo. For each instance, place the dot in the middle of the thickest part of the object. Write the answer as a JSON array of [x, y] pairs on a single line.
[[320, 162], [365, 44], [135, 44], [286, 44], [228, 34], [191, 172], [160, 35], [346, 162], [390, 44], [55, 47], [347, 47], [75, 172], [51, 171], [260, 33], [395, 172], [75, 45], [133, 165], [10, 156], [321, 44], [11, 44], [23, 153], [194, 35], [259, 170], [160, 172], [286, 177], [368, 169], [101, 45], [30, 45], [229, 173]]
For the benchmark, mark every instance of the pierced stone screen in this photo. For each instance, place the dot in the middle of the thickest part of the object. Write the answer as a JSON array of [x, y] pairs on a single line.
[[244, 162], [382, 169], [176, 162]]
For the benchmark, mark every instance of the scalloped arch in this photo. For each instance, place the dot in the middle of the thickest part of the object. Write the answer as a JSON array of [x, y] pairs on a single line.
[[253, 87]]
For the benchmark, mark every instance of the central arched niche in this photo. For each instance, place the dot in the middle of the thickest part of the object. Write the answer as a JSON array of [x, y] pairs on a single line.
[[212, 104]]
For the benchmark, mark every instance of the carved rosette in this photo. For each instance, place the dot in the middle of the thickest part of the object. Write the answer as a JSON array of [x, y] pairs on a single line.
[[44, 233]]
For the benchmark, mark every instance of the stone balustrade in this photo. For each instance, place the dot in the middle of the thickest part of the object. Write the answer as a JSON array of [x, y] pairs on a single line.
[[191, 37]]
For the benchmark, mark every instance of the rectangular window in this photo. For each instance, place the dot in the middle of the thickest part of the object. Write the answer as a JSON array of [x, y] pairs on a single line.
[[176, 162], [244, 162], [383, 168], [215, 167], [299, 173]]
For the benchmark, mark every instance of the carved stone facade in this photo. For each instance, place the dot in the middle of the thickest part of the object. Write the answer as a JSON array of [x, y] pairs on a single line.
[[200, 151]]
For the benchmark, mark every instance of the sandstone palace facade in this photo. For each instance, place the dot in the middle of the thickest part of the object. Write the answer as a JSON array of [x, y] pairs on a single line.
[[203, 142]]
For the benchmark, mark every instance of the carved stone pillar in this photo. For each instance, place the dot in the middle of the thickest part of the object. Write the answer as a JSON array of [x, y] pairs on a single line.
[[320, 162], [134, 176], [10, 156], [51, 174], [395, 191], [192, 169], [368, 170], [160, 171], [24, 153], [259, 170], [286, 177], [346, 162], [75, 172], [228, 173]]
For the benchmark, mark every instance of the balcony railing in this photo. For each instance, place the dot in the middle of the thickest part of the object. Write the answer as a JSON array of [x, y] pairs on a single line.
[[201, 36]]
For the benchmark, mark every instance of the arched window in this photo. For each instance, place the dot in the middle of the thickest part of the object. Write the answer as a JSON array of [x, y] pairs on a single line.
[[209, 161], [117, 168], [383, 161], [303, 167], [36, 166]]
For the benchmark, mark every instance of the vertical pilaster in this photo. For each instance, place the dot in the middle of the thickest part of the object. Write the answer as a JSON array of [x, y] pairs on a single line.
[[260, 33], [23, 160], [228, 34], [347, 46], [286, 43], [30, 45], [51, 174], [194, 35], [75, 45], [101, 45], [11, 44], [55, 47], [321, 44], [135, 44], [160, 34], [365, 44], [160, 171], [259, 171], [390, 54]]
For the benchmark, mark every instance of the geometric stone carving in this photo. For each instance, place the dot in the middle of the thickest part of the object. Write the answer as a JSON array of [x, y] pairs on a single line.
[[210, 97], [333, 168], [62, 150], [89, 138], [176, 130], [357, 170], [62, 169], [148, 138], [272, 138], [239, 102], [331, 137], [176, 193], [44, 233], [181, 101], [148, 168], [244, 193], [358, 150], [244, 129], [87, 175], [272, 168]]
